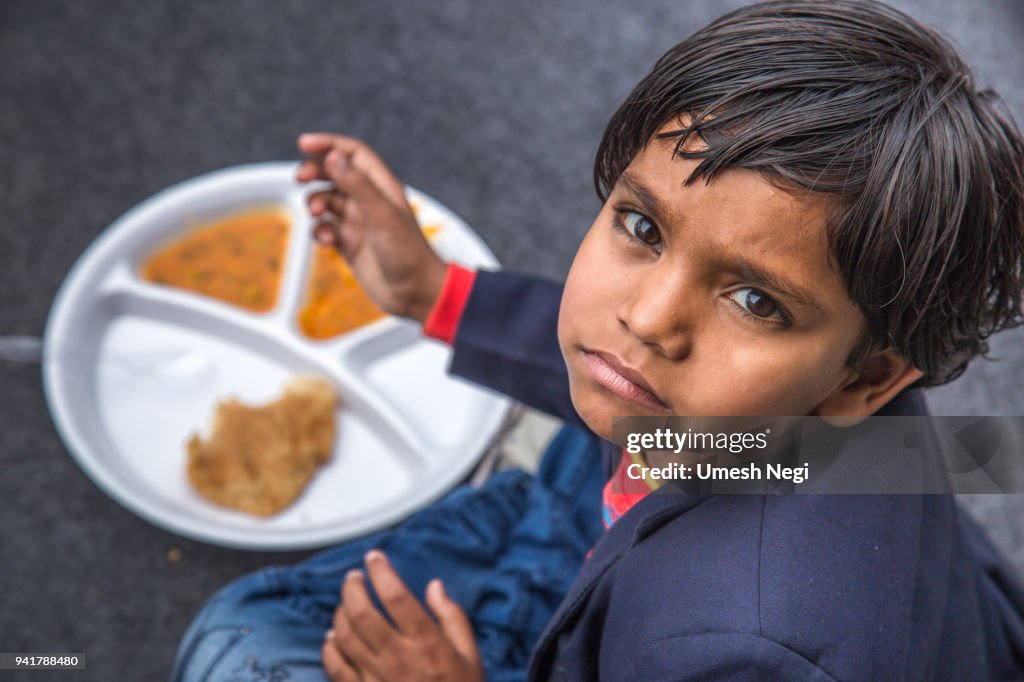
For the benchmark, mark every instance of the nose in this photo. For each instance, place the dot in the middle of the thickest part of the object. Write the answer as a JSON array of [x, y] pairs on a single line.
[[661, 310]]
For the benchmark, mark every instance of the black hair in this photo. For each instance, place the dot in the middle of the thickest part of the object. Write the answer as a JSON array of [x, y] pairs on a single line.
[[857, 100]]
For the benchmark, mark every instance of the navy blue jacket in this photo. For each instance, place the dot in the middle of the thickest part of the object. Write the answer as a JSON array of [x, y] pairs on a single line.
[[753, 587]]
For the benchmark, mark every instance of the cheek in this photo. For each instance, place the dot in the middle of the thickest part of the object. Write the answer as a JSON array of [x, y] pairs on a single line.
[[597, 413], [583, 296], [783, 379]]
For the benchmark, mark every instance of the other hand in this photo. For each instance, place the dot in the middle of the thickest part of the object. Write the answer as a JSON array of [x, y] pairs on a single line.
[[363, 646]]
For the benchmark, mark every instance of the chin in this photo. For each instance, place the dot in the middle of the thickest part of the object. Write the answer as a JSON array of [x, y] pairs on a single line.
[[594, 412]]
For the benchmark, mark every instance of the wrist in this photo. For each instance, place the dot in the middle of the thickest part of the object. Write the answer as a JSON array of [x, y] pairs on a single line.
[[428, 290], [443, 320]]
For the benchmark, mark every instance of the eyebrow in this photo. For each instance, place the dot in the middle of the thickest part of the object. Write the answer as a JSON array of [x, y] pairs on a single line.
[[771, 280], [650, 202], [754, 272]]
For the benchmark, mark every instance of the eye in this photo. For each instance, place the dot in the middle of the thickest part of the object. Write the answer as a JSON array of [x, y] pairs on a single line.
[[641, 227], [757, 304]]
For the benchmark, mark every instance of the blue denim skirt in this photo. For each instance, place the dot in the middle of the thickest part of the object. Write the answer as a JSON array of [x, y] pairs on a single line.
[[507, 553]]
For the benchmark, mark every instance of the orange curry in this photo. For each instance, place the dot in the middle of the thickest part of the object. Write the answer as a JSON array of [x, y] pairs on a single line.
[[335, 303], [237, 259]]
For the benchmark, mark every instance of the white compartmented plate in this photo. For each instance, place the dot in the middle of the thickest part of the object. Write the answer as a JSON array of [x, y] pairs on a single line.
[[132, 369]]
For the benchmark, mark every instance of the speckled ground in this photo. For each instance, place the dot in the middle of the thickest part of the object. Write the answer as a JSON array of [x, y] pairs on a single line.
[[495, 108]]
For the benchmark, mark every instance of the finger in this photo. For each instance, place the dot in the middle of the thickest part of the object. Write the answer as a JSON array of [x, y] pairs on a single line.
[[362, 158], [359, 187], [311, 169], [351, 646], [364, 618], [343, 235], [319, 143], [326, 233], [403, 607], [335, 665], [455, 624], [326, 200]]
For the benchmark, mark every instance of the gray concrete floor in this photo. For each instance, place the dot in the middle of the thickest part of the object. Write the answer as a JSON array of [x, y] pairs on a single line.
[[495, 108]]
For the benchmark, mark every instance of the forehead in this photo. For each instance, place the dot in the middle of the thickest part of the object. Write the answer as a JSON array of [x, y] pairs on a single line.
[[739, 213]]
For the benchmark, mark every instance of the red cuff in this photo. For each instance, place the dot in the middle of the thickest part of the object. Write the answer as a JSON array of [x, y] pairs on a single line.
[[443, 320]]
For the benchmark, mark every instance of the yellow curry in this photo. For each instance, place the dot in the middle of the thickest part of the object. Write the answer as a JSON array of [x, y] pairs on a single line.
[[335, 303], [238, 259]]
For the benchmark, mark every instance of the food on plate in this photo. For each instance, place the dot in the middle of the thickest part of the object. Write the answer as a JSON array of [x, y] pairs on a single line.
[[259, 459], [428, 230], [237, 259], [335, 303]]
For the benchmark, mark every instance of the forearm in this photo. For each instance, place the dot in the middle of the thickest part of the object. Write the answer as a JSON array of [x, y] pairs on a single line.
[[504, 331]]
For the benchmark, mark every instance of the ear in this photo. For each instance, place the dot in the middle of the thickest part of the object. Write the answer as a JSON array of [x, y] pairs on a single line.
[[866, 390]]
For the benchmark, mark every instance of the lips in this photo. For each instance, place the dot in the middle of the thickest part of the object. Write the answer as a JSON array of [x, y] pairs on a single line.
[[607, 370]]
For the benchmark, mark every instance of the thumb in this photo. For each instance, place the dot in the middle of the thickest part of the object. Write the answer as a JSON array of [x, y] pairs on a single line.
[[454, 623]]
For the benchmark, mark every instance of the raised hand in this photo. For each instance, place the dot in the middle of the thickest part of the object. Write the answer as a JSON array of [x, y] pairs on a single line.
[[365, 216]]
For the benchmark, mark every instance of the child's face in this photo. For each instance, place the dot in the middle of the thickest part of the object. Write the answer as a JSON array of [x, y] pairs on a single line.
[[725, 305]]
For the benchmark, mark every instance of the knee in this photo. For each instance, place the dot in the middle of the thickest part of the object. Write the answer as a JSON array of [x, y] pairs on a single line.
[[247, 631], [205, 651], [217, 626]]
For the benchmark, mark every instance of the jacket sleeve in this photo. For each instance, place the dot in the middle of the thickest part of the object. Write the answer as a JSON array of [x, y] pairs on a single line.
[[732, 656], [507, 340]]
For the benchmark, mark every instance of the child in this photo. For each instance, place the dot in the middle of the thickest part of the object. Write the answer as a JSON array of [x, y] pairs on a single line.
[[808, 210]]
